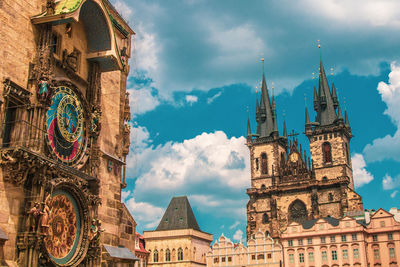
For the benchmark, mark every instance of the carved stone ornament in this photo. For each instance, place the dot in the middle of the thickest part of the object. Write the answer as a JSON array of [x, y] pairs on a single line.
[[71, 60]]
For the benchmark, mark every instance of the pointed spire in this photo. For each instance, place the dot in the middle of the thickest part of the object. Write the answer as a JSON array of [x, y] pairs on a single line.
[[334, 96], [274, 112], [248, 128], [307, 118], [326, 113], [267, 122], [284, 130], [339, 115], [257, 106], [316, 99], [346, 119]]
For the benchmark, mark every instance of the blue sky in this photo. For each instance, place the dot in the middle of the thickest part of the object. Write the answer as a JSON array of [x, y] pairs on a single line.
[[193, 83]]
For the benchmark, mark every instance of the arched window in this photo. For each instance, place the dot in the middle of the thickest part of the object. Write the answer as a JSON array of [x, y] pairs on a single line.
[[155, 256], [264, 164], [324, 179], [257, 164], [297, 211], [265, 218], [330, 197], [167, 255], [180, 254], [326, 150]]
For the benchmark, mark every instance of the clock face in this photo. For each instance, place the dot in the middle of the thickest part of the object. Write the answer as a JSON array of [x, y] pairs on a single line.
[[65, 125], [294, 157], [64, 227]]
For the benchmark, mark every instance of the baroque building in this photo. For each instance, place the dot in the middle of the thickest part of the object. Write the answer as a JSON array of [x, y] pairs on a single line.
[[373, 240], [178, 240], [260, 251], [64, 134], [286, 185]]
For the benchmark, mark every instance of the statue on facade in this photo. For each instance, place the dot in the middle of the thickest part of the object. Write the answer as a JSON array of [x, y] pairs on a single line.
[[43, 90], [34, 216], [95, 232], [44, 223]]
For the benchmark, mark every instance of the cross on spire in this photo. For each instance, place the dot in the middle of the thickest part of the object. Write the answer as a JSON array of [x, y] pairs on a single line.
[[293, 134]]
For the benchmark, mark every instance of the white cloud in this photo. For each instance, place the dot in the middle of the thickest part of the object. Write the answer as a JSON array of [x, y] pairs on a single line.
[[234, 225], [393, 194], [123, 9], [125, 194], [356, 12], [211, 99], [146, 52], [236, 44], [238, 235], [360, 175], [147, 214], [388, 147], [211, 169], [142, 100], [389, 183], [191, 99]]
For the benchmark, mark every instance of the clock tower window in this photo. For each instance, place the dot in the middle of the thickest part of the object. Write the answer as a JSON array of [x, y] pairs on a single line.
[[264, 163]]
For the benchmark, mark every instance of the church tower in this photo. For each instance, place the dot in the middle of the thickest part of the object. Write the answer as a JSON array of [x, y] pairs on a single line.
[[288, 186]]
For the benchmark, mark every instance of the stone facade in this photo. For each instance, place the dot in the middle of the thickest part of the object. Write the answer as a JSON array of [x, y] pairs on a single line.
[[140, 251], [260, 251], [77, 51], [345, 242], [288, 186]]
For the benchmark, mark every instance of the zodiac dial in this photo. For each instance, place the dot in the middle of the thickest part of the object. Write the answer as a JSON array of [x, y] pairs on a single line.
[[65, 125]]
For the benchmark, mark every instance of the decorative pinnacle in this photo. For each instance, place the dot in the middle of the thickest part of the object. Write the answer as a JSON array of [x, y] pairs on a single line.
[[262, 60], [319, 47]]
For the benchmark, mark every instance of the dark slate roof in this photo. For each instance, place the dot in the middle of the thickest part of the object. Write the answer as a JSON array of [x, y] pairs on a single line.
[[310, 223], [3, 235], [362, 222], [179, 215], [120, 253]]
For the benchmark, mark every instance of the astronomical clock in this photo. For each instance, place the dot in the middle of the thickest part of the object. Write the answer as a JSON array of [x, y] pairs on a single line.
[[66, 126], [64, 143]]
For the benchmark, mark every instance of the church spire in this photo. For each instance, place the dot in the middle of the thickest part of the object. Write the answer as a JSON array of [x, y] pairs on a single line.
[[284, 130], [326, 113], [265, 120], [334, 96], [346, 119]]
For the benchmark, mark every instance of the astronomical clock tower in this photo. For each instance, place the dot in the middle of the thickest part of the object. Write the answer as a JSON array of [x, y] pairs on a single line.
[[64, 134], [288, 186]]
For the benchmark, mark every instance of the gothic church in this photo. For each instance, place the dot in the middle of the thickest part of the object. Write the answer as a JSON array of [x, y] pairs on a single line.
[[288, 186]]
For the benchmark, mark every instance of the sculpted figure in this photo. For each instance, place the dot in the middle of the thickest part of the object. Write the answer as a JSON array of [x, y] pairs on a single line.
[[34, 216]]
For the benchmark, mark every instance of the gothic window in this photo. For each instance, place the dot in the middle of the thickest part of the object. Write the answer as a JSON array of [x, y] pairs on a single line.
[[257, 164], [324, 179], [264, 164], [330, 197], [167, 255], [155, 256], [297, 211], [180, 254], [326, 150], [347, 153], [265, 218]]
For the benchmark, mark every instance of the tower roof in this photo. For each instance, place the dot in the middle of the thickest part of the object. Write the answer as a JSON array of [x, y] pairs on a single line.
[[265, 121], [326, 108], [179, 215]]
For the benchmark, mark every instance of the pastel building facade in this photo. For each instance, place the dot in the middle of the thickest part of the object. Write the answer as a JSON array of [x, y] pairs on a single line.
[[260, 251], [178, 240], [343, 242]]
